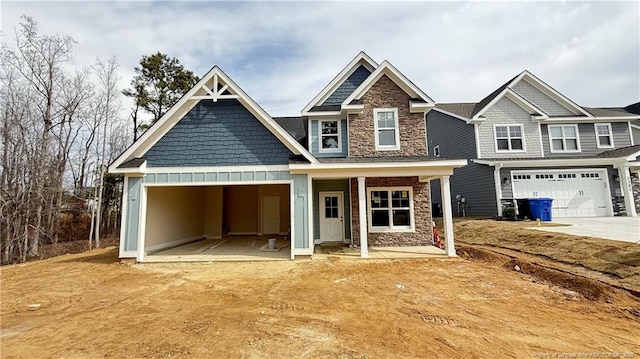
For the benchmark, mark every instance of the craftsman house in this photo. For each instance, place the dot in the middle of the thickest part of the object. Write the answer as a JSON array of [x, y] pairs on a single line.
[[353, 168], [528, 140]]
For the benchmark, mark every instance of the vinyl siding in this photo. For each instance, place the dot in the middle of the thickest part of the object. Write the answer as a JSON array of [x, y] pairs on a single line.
[[341, 185], [456, 139], [507, 112], [315, 140], [636, 135], [540, 100], [222, 133], [301, 199], [132, 220], [588, 145]]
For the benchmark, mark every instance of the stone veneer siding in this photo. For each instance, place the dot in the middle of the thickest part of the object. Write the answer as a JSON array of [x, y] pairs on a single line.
[[423, 234], [386, 94]]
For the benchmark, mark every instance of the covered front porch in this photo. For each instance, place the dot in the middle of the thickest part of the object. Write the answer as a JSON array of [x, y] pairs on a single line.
[[379, 205]]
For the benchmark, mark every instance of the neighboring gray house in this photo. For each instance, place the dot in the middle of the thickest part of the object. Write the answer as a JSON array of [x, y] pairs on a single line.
[[528, 140]]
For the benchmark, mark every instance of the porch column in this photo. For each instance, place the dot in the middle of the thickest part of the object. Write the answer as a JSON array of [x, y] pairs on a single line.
[[447, 216], [627, 192], [362, 210]]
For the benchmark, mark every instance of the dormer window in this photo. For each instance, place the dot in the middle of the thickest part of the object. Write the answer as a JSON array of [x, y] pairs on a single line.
[[330, 136], [386, 127]]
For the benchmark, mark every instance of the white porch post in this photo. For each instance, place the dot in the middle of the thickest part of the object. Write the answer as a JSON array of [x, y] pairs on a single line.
[[447, 216], [627, 192], [362, 210]]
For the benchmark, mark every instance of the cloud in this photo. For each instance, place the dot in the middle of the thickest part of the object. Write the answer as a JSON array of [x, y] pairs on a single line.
[[283, 53]]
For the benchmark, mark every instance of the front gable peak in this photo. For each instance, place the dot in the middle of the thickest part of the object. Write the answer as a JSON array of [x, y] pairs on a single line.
[[351, 76], [214, 87], [420, 100]]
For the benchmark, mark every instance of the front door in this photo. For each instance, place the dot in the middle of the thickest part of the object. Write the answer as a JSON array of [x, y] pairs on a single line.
[[270, 215], [331, 222]]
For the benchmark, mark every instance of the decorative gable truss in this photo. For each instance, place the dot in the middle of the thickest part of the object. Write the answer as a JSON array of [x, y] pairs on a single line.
[[215, 85]]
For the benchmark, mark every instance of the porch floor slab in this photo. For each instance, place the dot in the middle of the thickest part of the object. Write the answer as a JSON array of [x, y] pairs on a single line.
[[229, 249], [382, 252]]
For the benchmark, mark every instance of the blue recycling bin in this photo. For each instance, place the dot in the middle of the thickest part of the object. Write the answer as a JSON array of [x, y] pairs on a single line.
[[540, 208]]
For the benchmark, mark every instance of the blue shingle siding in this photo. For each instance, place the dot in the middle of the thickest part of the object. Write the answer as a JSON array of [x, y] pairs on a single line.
[[474, 182], [348, 86], [222, 133]]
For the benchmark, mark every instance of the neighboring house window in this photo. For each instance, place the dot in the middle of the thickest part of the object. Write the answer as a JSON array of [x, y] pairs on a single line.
[[436, 151], [391, 209], [330, 136], [386, 126], [508, 138], [603, 135], [564, 138]]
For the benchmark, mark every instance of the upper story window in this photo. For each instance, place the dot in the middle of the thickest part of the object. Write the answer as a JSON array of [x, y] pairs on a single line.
[[386, 126], [436, 151], [330, 136], [604, 137], [391, 209], [564, 138], [508, 138]]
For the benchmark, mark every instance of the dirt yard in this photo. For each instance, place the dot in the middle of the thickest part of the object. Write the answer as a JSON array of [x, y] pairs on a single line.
[[92, 306], [613, 262]]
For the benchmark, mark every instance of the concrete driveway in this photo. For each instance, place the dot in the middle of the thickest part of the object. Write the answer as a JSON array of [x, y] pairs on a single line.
[[626, 229]]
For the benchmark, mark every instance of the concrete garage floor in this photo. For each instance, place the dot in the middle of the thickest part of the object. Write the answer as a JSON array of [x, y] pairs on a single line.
[[625, 229], [229, 249]]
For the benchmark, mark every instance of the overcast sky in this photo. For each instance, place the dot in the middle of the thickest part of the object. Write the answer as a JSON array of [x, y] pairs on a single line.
[[283, 53]]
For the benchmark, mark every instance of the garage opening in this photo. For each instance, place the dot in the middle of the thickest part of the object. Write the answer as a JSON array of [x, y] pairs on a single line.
[[203, 223]]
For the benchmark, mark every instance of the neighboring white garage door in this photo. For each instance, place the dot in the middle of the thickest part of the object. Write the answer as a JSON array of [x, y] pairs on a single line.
[[580, 193]]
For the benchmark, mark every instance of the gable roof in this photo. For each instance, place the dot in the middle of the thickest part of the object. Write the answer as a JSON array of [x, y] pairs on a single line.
[[485, 101], [214, 85], [397, 77], [362, 59], [473, 111], [525, 75]]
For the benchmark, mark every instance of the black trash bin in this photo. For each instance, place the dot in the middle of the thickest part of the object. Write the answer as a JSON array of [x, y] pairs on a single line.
[[436, 210], [524, 211]]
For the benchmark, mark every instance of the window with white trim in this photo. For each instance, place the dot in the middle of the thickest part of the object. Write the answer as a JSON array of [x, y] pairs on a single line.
[[391, 209], [436, 151], [564, 138], [508, 138], [604, 137], [386, 126], [329, 136]]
